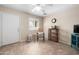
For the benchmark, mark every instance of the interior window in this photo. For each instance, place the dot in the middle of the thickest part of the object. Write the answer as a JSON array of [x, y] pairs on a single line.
[[33, 24]]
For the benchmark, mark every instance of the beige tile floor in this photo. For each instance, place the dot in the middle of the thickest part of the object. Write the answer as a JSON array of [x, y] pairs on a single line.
[[38, 48]]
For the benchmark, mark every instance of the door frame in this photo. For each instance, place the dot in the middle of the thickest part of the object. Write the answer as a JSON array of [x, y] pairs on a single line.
[[19, 27]]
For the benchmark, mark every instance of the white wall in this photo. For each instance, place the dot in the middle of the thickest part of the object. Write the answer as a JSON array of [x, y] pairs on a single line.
[[0, 29], [66, 18], [24, 17]]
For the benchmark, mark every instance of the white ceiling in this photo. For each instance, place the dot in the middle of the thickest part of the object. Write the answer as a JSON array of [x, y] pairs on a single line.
[[49, 8]]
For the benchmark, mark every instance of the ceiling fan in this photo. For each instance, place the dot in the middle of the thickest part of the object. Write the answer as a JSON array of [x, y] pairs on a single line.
[[40, 7]]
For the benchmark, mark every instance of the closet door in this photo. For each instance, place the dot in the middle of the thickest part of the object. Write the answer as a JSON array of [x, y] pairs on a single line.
[[10, 29], [0, 29]]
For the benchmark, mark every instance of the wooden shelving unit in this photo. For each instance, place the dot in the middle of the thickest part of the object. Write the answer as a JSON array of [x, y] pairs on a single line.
[[53, 34]]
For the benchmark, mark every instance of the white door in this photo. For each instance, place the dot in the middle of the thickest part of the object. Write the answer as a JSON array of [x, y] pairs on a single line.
[[0, 28], [10, 29]]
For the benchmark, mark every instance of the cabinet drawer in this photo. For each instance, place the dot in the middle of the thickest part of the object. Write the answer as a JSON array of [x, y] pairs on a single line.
[[53, 35], [54, 39], [53, 31]]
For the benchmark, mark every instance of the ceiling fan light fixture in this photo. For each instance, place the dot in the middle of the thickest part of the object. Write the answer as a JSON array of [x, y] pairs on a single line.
[[37, 8], [44, 13]]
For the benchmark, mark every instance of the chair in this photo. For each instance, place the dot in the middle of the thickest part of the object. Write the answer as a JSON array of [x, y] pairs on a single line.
[[32, 36], [40, 35], [29, 37]]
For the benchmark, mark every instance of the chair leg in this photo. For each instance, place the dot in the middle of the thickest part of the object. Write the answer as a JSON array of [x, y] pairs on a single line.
[[43, 37], [37, 37]]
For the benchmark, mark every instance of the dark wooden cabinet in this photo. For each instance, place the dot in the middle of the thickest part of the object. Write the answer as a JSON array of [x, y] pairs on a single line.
[[53, 34]]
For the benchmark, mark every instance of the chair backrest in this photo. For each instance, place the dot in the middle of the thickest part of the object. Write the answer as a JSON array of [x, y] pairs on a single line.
[[40, 34]]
